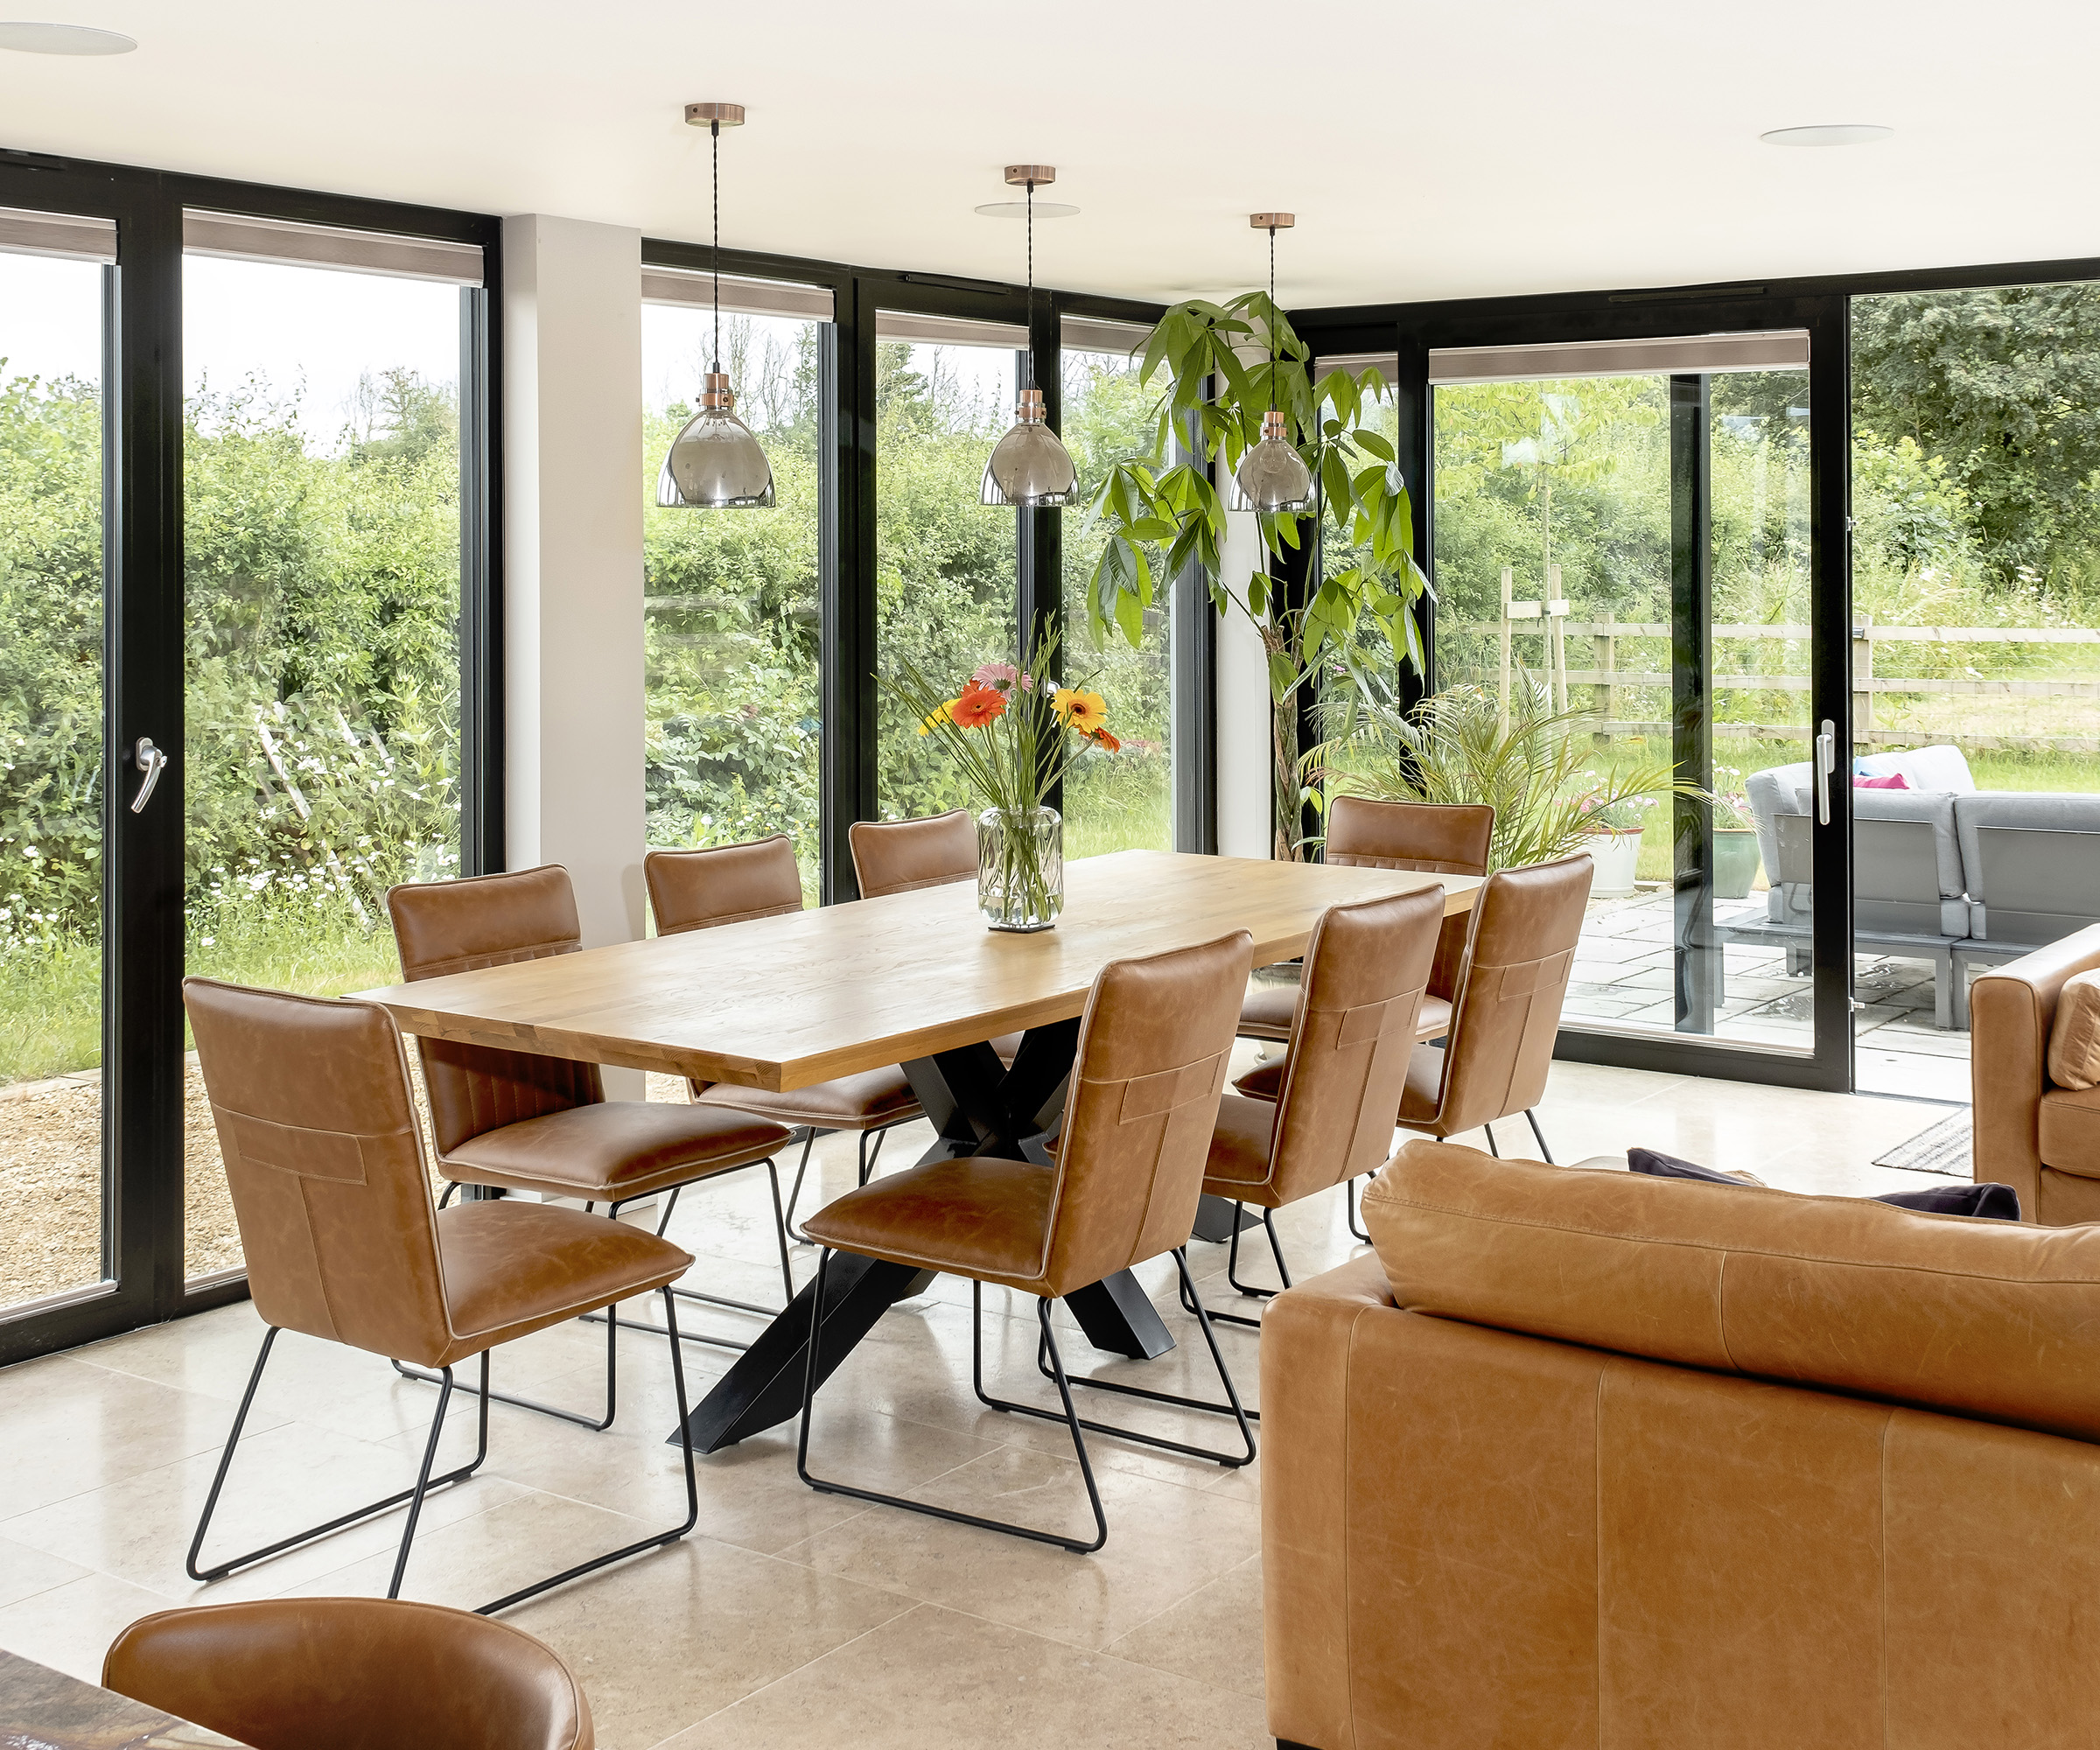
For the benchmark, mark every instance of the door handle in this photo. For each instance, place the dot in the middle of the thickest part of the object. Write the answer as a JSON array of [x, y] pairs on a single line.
[[152, 762], [1826, 763]]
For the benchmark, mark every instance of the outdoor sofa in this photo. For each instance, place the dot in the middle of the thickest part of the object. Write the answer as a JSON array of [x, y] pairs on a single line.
[[1941, 872]]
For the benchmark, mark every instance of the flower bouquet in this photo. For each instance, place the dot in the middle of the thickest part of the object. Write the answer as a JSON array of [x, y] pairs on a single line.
[[1013, 733]]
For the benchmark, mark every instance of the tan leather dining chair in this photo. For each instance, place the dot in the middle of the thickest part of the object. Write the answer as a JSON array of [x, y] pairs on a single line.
[[902, 856], [1330, 1117], [349, 1674], [519, 1121], [325, 1161], [1437, 839], [1154, 1042], [1494, 1063], [727, 884]]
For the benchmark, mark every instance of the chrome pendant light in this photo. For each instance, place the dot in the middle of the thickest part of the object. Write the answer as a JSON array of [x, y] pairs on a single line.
[[1029, 465], [715, 463], [1272, 476]]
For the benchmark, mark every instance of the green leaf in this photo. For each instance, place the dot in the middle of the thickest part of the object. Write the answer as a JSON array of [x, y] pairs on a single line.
[[1373, 442]]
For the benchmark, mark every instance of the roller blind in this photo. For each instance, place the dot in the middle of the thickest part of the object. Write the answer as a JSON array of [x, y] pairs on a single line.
[[740, 296], [1773, 349], [238, 237], [1097, 334], [949, 331], [24, 233]]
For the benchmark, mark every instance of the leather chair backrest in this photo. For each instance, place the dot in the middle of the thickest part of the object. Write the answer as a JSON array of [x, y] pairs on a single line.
[[444, 927], [348, 1673], [325, 1161], [1154, 1045], [1443, 839], [1366, 969], [901, 856], [724, 884], [1525, 927]]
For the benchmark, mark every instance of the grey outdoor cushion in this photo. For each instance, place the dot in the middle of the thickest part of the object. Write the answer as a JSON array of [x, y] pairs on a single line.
[[1776, 791], [2032, 859]]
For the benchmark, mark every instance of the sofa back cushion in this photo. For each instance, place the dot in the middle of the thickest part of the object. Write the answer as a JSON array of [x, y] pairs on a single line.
[[1984, 1318], [2032, 861], [1942, 767]]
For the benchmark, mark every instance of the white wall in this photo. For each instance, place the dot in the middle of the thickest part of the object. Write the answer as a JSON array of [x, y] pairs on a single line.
[[572, 616], [1246, 788]]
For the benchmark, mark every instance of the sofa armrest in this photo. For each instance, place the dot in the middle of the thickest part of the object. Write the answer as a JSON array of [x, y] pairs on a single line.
[[2010, 1010], [1306, 1339]]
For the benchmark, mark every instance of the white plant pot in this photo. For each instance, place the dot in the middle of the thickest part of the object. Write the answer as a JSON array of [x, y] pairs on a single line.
[[1617, 855]]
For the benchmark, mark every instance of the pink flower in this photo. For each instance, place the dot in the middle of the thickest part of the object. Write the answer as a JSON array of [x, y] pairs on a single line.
[[1003, 676]]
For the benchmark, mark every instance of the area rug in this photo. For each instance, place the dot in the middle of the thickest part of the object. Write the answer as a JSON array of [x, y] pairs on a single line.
[[1943, 1148]]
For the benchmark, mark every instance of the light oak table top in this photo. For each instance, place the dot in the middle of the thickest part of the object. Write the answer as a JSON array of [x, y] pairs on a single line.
[[782, 1003]]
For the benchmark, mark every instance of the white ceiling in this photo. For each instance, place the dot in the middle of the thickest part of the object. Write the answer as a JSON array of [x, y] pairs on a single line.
[[1428, 151]]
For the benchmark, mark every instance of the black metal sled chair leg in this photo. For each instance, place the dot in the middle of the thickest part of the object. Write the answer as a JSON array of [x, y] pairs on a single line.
[[1356, 1226], [1070, 1419], [1231, 1407], [1541, 1135], [425, 1482]]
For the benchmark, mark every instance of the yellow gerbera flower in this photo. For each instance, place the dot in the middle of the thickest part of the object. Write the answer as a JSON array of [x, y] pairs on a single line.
[[943, 713], [1081, 710]]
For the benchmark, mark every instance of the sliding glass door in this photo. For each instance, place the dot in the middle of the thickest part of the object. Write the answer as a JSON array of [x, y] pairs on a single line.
[[240, 652], [1631, 569]]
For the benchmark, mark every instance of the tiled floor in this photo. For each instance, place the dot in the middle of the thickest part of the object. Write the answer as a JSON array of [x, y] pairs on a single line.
[[1625, 968], [789, 1618]]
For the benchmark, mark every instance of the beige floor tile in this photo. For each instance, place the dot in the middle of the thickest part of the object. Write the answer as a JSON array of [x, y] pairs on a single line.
[[289, 1477], [1164, 1542], [1214, 1635], [938, 1678], [663, 1641], [71, 1427], [71, 1627], [25, 1572]]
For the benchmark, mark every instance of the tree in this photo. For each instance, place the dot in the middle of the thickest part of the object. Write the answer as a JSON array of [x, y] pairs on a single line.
[[1162, 512]]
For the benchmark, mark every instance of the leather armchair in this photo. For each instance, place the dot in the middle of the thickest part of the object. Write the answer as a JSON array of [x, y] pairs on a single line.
[[2043, 1140], [1532, 1480]]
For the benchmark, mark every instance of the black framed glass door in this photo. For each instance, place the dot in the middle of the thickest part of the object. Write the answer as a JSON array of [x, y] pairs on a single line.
[[1637, 538]]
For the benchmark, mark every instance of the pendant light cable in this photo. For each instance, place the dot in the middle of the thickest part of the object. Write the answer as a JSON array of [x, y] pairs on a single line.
[[1273, 319], [714, 130], [1031, 346]]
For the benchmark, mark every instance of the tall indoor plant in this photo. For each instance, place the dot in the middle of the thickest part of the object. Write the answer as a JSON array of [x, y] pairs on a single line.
[[1013, 732], [1162, 510]]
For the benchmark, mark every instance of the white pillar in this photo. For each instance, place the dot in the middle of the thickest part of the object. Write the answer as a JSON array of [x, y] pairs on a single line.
[[1245, 764], [573, 619], [572, 615]]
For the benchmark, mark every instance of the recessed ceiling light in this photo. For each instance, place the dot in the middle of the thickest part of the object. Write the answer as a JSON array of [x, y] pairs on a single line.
[[1019, 209], [1829, 134], [64, 39]]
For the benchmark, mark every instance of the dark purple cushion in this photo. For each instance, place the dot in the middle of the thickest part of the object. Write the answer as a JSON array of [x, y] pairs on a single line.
[[1983, 1202]]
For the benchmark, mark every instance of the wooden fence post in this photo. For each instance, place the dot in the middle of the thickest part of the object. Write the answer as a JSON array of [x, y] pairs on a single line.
[[1508, 594], [1863, 672], [1605, 696]]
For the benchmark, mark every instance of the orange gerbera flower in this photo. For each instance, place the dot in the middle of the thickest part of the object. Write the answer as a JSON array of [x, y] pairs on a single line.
[[1081, 710], [978, 706], [1109, 743]]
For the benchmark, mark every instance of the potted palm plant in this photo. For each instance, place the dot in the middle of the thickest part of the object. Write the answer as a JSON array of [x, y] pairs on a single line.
[[1533, 769]]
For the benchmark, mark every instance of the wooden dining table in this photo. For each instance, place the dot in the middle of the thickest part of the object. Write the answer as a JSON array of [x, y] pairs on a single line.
[[41, 1708], [916, 979]]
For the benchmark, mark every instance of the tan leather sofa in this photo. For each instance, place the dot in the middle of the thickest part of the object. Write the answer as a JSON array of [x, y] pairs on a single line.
[[2043, 1140], [1550, 1486]]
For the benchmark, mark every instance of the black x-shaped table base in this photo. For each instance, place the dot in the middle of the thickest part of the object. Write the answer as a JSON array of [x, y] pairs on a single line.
[[978, 1106]]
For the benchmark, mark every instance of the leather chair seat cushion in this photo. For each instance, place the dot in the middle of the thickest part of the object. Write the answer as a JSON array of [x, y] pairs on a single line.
[[613, 1149], [1419, 1100], [977, 1217], [2070, 1131], [866, 1102], [1240, 1149], [514, 1268], [1269, 1009], [1984, 1318]]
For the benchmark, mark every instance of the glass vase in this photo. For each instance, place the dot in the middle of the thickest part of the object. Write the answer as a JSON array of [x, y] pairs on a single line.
[[1020, 868]]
